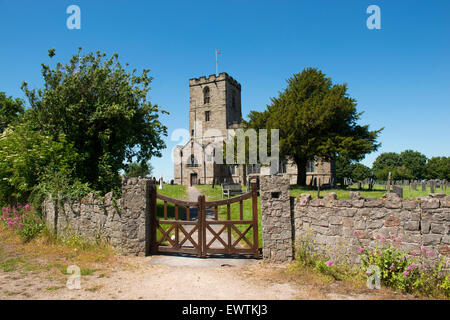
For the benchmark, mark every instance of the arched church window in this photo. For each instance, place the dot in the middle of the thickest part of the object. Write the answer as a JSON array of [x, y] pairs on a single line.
[[206, 95]]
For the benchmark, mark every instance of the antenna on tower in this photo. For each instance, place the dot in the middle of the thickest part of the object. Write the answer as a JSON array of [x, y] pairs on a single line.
[[217, 64]]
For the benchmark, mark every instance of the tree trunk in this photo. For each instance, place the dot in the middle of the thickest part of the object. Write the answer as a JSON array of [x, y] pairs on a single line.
[[301, 171]]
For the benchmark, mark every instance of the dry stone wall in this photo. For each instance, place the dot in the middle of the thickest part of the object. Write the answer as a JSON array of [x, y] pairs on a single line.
[[124, 223], [337, 228]]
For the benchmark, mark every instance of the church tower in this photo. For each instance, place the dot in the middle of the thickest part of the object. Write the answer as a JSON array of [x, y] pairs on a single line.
[[214, 106]]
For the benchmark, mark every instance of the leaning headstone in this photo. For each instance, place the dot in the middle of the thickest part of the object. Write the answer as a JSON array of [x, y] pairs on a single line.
[[398, 190]]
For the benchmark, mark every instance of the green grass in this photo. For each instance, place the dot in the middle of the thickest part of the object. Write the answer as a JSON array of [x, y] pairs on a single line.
[[216, 194], [376, 192], [173, 191], [13, 264]]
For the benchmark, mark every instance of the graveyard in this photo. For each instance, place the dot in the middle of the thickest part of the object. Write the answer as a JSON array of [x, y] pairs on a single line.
[[410, 190]]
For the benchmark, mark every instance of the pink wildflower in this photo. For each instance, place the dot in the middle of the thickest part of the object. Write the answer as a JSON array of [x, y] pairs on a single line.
[[405, 273], [361, 250], [391, 267], [329, 263], [413, 252], [383, 238], [356, 233], [423, 250], [431, 252], [398, 239]]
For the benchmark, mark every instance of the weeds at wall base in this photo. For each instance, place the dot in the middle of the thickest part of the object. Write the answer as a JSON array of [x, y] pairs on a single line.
[[432, 281]]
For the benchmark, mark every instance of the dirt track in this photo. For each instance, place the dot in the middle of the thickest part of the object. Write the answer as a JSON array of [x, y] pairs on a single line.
[[174, 278]]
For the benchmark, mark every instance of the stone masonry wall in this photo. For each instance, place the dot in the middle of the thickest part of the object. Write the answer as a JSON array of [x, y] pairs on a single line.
[[338, 226], [335, 227], [276, 218], [124, 223]]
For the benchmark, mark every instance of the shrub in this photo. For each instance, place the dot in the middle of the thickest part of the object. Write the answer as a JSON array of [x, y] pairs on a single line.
[[411, 272], [24, 220]]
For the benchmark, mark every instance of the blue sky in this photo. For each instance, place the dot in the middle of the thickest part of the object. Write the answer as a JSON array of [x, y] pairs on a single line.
[[400, 75]]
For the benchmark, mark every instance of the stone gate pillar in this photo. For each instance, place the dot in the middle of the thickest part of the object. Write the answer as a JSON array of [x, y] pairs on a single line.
[[276, 218], [136, 219]]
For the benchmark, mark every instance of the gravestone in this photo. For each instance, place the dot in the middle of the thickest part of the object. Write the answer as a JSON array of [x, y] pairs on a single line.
[[398, 190], [414, 186], [371, 183], [432, 186], [359, 185], [318, 189], [424, 187]]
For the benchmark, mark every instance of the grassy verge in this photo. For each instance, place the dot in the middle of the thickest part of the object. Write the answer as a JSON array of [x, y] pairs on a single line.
[[396, 272], [216, 194], [376, 192], [49, 256]]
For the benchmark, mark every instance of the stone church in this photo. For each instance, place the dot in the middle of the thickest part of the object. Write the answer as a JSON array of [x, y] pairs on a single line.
[[214, 107]]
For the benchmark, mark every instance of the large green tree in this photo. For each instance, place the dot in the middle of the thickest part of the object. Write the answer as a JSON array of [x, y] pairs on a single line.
[[438, 168], [343, 169], [103, 110], [360, 172], [415, 162], [386, 159], [407, 165], [135, 169], [315, 118], [10, 110], [27, 158]]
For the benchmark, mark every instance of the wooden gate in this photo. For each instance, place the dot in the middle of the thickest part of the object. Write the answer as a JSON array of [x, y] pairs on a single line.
[[180, 226]]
